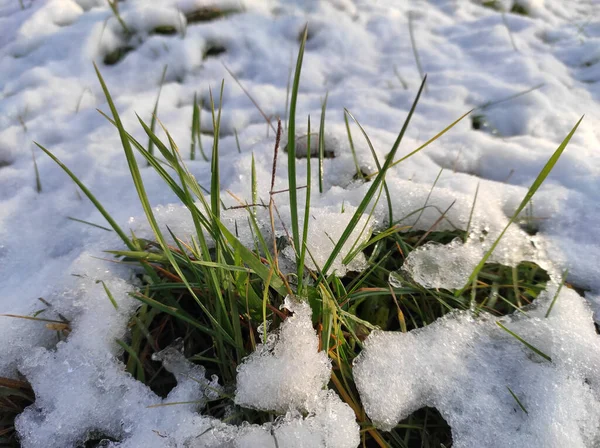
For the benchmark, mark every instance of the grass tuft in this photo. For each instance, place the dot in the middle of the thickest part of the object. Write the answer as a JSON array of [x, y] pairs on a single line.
[[212, 294]]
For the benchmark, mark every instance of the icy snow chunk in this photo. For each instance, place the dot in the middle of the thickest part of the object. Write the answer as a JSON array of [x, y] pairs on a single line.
[[187, 374], [464, 365], [79, 393], [447, 266], [288, 372]]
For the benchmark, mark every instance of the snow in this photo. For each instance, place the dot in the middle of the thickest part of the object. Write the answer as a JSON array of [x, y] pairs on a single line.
[[464, 367], [291, 366], [360, 53]]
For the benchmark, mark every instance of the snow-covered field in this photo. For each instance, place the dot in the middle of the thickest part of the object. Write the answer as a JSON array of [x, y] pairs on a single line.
[[361, 53]]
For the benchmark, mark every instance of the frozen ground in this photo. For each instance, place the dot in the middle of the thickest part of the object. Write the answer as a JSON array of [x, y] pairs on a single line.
[[361, 53]]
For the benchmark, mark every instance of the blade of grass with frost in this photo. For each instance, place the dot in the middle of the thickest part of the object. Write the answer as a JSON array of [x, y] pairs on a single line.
[[321, 143], [91, 197], [352, 149], [306, 218], [555, 298], [137, 180], [155, 111], [291, 147], [110, 296], [374, 187], [517, 400], [532, 190], [374, 154], [524, 342]]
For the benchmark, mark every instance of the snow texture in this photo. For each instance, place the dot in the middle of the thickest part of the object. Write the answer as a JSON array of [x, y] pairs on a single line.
[[360, 52], [467, 366]]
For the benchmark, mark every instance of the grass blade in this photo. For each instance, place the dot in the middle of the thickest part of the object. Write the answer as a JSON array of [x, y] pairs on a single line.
[[91, 197], [517, 400], [532, 190], [524, 342], [377, 163], [155, 111], [374, 187], [291, 147], [321, 142], [306, 218]]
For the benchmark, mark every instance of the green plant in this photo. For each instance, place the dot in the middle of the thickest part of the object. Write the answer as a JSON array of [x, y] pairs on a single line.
[[216, 294]]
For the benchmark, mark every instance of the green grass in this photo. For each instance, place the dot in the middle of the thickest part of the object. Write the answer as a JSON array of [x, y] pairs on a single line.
[[15, 395], [215, 293]]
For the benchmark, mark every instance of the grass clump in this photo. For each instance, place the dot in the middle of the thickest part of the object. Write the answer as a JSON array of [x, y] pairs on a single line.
[[15, 396], [214, 295]]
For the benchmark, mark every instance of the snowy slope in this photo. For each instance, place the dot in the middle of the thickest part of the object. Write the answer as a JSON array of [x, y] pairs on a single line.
[[360, 52]]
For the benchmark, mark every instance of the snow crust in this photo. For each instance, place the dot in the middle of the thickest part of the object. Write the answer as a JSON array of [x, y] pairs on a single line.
[[464, 366], [360, 52]]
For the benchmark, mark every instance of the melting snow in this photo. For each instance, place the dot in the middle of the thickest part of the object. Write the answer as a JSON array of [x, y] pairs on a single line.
[[360, 51]]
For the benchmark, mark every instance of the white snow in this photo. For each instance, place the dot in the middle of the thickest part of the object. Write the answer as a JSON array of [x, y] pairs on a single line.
[[359, 52], [464, 367]]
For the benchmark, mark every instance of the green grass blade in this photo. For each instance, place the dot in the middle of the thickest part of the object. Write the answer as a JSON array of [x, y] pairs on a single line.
[[91, 197], [524, 342], [532, 190], [427, 143], [374, 186], [359, 173], [555, 298], [89, 223], [252, 260], [374, 154], [254, 185], [38, 181], [237, 141], [321, 143], [155, 111], [215, 180], [517, 400], [137, 180], [306, 218], [131, 352], [195, 125], [291, 147], [468, 229]]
